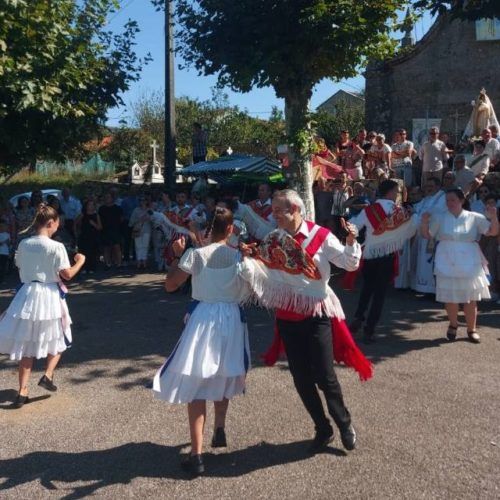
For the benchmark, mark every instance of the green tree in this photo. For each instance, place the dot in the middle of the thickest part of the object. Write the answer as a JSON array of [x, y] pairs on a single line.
[[128, 146], [289, 45], [346, 117], [226, 125], [462, 9], [60, 71]]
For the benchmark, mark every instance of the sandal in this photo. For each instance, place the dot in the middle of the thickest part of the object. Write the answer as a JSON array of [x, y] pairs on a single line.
[[451, 333], [474, 337]]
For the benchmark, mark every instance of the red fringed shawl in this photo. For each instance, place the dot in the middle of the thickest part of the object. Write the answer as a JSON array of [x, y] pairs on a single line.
[[345, 349]]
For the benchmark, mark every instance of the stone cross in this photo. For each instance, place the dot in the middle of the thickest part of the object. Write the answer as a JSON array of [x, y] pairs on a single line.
[[154, 146], [456, 117]]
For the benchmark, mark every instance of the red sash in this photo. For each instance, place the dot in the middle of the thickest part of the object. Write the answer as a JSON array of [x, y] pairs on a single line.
[[376, 215], [263, 211], [345, 349]]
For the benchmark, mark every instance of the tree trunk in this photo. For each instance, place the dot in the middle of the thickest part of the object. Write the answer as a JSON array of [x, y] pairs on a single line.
[[300, 170]]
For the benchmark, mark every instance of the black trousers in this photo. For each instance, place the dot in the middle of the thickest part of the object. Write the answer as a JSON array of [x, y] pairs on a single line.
[[377, 277], [308, 345]]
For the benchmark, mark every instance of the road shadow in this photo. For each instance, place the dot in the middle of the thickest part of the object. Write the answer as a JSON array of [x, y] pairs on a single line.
[[9, 395], [117, 318], [122, 464]]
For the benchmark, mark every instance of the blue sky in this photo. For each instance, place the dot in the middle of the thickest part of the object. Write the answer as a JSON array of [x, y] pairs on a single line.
[[187, 83]]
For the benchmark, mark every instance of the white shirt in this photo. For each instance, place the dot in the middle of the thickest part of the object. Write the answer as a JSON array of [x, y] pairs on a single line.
[[399, 147], [41, 259], [433, 156], [346, 257], [492, 146], [481, 166], [71, 207], [464, 177]]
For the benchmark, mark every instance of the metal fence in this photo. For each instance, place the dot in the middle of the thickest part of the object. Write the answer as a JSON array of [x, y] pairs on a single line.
[[95, 165]]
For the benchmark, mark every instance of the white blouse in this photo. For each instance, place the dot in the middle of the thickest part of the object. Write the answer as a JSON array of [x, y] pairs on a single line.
[[41, 259], [467, 227]]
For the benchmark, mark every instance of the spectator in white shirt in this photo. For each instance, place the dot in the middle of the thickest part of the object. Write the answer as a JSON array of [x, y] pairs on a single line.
[[491, 146], [433, 154], [403, 152]]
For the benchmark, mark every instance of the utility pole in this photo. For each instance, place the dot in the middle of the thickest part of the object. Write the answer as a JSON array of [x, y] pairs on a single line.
[[170, 132]]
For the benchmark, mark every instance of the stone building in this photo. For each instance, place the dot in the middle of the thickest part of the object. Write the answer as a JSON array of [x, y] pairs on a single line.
[[435, 80]]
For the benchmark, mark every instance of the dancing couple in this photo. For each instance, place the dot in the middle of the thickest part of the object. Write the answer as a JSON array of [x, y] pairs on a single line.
[[288, 272]]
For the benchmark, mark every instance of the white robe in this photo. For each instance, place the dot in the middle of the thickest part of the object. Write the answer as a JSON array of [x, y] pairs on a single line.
[[422, 276]]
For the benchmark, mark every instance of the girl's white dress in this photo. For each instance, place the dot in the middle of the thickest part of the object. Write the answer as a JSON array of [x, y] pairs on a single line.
[[37, 320], [459, 265], [212, 356]]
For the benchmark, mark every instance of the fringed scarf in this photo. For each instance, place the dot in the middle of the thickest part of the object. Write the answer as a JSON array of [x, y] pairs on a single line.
[[389, 233], [283, 276]]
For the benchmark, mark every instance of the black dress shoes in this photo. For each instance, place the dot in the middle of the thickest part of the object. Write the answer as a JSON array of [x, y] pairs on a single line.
[[193, 464], [46, 383], [321, 441], [348, 437], [219, 438], [20, 401]]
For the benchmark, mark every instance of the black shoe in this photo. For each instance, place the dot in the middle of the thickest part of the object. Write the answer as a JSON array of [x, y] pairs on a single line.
[[451, 333], [20, 401], [193, 464], [320, 442], [46, 383], [348, 438], [355, 325], [219, 438]]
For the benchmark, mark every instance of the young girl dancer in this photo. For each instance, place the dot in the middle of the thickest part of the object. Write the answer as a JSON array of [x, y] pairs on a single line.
[[210, 361], [37, 322]]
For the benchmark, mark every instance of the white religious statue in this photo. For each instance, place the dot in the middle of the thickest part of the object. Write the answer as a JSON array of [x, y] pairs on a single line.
[[483, 115]]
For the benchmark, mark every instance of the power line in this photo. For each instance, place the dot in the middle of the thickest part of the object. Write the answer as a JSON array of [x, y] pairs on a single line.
[[120, 10]]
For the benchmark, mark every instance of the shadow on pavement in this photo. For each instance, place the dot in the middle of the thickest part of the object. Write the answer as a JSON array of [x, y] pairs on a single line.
[[119, 318], [9, 395], [124, 463]]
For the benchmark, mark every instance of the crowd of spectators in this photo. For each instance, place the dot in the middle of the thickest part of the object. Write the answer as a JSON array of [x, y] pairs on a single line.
[[423, 173]]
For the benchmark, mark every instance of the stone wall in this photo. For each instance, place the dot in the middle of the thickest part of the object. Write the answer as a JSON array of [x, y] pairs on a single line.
[[438, 77]]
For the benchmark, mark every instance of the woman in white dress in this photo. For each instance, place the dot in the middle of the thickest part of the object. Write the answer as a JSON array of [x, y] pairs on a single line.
[[211, 359], [459, 263], [37, 322]]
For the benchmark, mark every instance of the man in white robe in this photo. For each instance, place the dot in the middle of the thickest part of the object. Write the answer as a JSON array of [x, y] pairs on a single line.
[[422, 279]]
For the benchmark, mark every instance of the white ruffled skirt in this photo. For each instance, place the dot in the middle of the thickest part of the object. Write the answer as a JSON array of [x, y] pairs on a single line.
[[211, 359], [460, 273], [36, 323]]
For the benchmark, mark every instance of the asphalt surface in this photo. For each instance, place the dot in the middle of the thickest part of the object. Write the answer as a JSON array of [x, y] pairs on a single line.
[[428, 423]]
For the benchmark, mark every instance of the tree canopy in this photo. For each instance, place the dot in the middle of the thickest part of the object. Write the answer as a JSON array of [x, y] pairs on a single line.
[[462, 9], [225, 124], [60, 71]]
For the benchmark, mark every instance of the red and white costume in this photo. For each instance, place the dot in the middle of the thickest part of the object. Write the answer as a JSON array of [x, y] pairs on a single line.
[[291, 274]]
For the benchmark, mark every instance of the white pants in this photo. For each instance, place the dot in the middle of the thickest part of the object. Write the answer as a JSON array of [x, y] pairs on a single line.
[[142, 246]]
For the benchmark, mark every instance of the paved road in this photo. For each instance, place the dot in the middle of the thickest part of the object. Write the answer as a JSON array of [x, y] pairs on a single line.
[[428, 423]]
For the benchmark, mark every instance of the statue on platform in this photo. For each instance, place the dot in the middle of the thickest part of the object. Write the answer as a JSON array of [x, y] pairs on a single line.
[[483, 115]]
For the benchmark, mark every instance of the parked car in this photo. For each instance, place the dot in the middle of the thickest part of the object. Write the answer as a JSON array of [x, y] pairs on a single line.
[[45, 192]]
